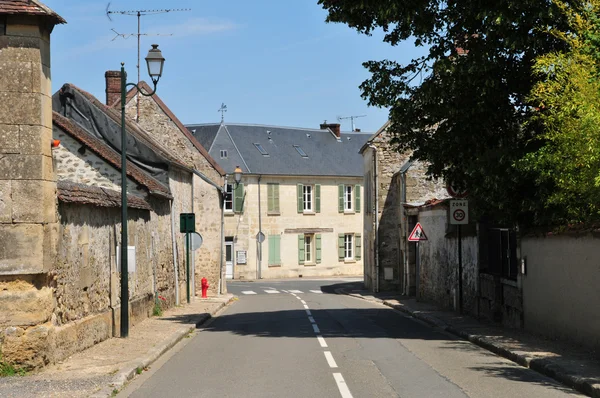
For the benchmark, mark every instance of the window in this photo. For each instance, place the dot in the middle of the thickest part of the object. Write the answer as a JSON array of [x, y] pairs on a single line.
[[273, 198], [261, 149], [300, 151], [223, 154], [348, 198], [309, 249], [229, 197], [308, 246], [307, 197], [274, 250], [348, 247]]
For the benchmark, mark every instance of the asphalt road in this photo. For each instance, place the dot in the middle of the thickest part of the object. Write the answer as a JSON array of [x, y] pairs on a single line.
[[291, 342]]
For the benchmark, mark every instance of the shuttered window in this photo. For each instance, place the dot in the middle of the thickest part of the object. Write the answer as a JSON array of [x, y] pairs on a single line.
[[357, 246], [274, 249], [318, 248], [238, 198], [341, 247], [357, 198], [273, 198], [341, 198]]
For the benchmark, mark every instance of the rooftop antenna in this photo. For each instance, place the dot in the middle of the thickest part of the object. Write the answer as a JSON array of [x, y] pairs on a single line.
[[351, 119], [223, 109], [139, 14]]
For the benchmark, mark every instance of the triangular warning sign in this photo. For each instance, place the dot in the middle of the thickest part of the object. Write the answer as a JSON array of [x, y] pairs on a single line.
[[417, 234]]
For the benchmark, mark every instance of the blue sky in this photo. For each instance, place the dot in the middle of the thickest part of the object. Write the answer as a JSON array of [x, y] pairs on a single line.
[[270, 61]]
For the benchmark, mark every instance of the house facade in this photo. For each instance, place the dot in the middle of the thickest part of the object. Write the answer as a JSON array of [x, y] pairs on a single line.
[[297, 210]]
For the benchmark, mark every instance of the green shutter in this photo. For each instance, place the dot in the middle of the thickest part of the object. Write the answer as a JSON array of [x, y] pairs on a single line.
[[357, 198], [301, 249], [274, 250], [357, 246], [318, 198], [340, 198], [238, 198], [318, 248], [300, 202], [270, 201], [341, 253], [276, 198]]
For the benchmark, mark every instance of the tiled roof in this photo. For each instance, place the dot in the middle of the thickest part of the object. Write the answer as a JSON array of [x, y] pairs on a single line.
[[71, 192], [325, 155], [28, 7], [203, 151], [109, 155], [133, 128]]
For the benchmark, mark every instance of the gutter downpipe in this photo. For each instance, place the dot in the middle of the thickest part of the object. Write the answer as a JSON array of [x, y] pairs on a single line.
[[174, 244], [221, 279], [375, 183], [404, 232]]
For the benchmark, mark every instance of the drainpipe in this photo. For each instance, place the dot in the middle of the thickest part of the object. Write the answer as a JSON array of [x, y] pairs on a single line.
[[376, 185], [173, 242], [221, 279], [260, 231]]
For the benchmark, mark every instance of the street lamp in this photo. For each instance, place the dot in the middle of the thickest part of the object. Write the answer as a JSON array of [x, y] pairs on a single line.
[[237, 174], [155, 62]]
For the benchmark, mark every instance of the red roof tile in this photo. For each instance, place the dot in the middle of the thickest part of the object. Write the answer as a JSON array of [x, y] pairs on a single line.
[[71, 192], [28, 7], [110, 155]]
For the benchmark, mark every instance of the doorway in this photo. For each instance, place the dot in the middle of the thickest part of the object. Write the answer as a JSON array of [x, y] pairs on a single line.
[[229, 258]]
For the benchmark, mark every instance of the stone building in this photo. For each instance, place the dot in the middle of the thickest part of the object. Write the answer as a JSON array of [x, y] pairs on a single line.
[[391, 181], [301, 189]]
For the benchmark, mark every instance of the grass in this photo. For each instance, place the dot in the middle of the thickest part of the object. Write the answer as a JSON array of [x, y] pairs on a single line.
[[8, 370], [157, 310], [114, 393], [139, 370]]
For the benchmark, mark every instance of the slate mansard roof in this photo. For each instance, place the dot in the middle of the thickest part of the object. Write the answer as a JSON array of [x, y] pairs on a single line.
[[281, 149]]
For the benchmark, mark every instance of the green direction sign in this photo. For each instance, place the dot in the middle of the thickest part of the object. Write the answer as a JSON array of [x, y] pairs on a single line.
[[187, 222]]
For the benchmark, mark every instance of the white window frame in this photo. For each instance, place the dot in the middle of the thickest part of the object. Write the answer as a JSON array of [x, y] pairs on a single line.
[[348, 246], [229, 194], [308, 198], [348, 197], [309, 246], [223, 153]]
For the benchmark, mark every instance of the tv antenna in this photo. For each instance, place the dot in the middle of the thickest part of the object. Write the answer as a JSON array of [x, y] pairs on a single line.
[[139, 14], [351, 119], [223, 109]]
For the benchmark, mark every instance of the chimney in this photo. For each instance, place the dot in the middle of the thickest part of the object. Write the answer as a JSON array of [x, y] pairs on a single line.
[[113, 86], [357, 130], [335, 127]]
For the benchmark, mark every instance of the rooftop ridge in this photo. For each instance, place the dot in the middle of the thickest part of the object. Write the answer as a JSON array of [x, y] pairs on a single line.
[[255, 125]]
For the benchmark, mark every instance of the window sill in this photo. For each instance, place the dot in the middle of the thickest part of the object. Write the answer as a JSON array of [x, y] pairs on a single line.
[[349, 212], [310, 264], [309, 213], [229, 214], [349, 261], [274, 265], [273, 213]]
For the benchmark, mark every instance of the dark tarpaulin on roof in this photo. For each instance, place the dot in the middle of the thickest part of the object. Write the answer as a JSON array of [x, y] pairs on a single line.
[[70, 103]]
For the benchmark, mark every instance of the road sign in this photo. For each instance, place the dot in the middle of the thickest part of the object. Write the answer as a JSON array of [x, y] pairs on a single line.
[[455, 192], [187, 222], [260, 237], [417, 234], [459, 212], [196, 241]]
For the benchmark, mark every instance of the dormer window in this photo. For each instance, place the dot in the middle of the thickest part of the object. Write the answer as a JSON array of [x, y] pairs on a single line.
[[300, 151], [261, 149], [223, 154]]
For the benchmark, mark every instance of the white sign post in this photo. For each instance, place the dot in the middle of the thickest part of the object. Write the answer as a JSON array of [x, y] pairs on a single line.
[[417, 235]]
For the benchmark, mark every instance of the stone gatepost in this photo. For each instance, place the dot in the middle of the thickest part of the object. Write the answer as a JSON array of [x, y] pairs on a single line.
[[28, 210]]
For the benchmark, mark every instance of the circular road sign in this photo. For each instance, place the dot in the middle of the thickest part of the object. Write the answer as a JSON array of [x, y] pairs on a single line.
[[455, 192], [459, 215], [260, 237]]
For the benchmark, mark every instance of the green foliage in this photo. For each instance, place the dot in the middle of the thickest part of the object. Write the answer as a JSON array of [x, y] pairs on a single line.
[[465, 107], [8, 370], [157, 310], [567, 96]]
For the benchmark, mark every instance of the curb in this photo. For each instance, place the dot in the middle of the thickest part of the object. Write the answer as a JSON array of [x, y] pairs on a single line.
[[129, 371], [540, 365]]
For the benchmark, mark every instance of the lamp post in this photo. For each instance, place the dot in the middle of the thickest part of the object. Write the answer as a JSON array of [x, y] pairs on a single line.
[[237, 175], [155, 62]]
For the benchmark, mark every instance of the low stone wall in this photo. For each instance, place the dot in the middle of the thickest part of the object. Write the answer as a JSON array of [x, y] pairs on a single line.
[[500, 300]]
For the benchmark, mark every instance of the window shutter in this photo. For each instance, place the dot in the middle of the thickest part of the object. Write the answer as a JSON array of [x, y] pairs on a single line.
[[318, 198], [274, 249], [340, 198], [318, 248], [300, 202], [270, 201], [357, 246], [341, 253], [238, 198], [357, 198], [301, 249], [276, 198]]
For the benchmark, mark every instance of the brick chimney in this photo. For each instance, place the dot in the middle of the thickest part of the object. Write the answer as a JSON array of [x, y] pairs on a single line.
[[113, 86], [335, 127]]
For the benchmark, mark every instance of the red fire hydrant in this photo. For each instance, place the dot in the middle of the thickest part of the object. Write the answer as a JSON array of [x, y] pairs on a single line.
[[204, 287]]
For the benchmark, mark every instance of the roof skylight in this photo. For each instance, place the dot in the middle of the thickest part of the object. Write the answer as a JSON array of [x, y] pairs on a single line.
[[300, 151], [261, 149]]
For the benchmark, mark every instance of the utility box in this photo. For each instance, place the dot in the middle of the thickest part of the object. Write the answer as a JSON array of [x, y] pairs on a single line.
[[187, 223]]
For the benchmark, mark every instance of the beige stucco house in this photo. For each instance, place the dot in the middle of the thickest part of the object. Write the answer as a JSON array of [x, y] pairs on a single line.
[[301, 189]]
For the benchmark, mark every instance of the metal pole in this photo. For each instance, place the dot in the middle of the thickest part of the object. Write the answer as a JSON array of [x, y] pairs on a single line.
[[137, 117], [187, 264], [124, 267], [460, 272], [417, 266], [259, 230]]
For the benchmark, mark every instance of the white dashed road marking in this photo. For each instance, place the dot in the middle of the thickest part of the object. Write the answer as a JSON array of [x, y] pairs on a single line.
[[303, 302], [322, 341], [308, 312], [330, 359], [316, 291], [248, 292], [316, 328], [342, 386], [311, 319], [305, 306], [296, 291], [272, 291]]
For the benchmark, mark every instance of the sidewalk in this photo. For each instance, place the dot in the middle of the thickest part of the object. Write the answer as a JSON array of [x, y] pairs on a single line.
[[107, 366], [573, 366]]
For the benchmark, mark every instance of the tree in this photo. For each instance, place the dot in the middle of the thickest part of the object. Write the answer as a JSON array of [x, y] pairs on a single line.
[[468, 116], [567, 96]]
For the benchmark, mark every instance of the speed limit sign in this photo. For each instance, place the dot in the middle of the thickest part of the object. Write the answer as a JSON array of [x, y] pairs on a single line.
[[459, 212]]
